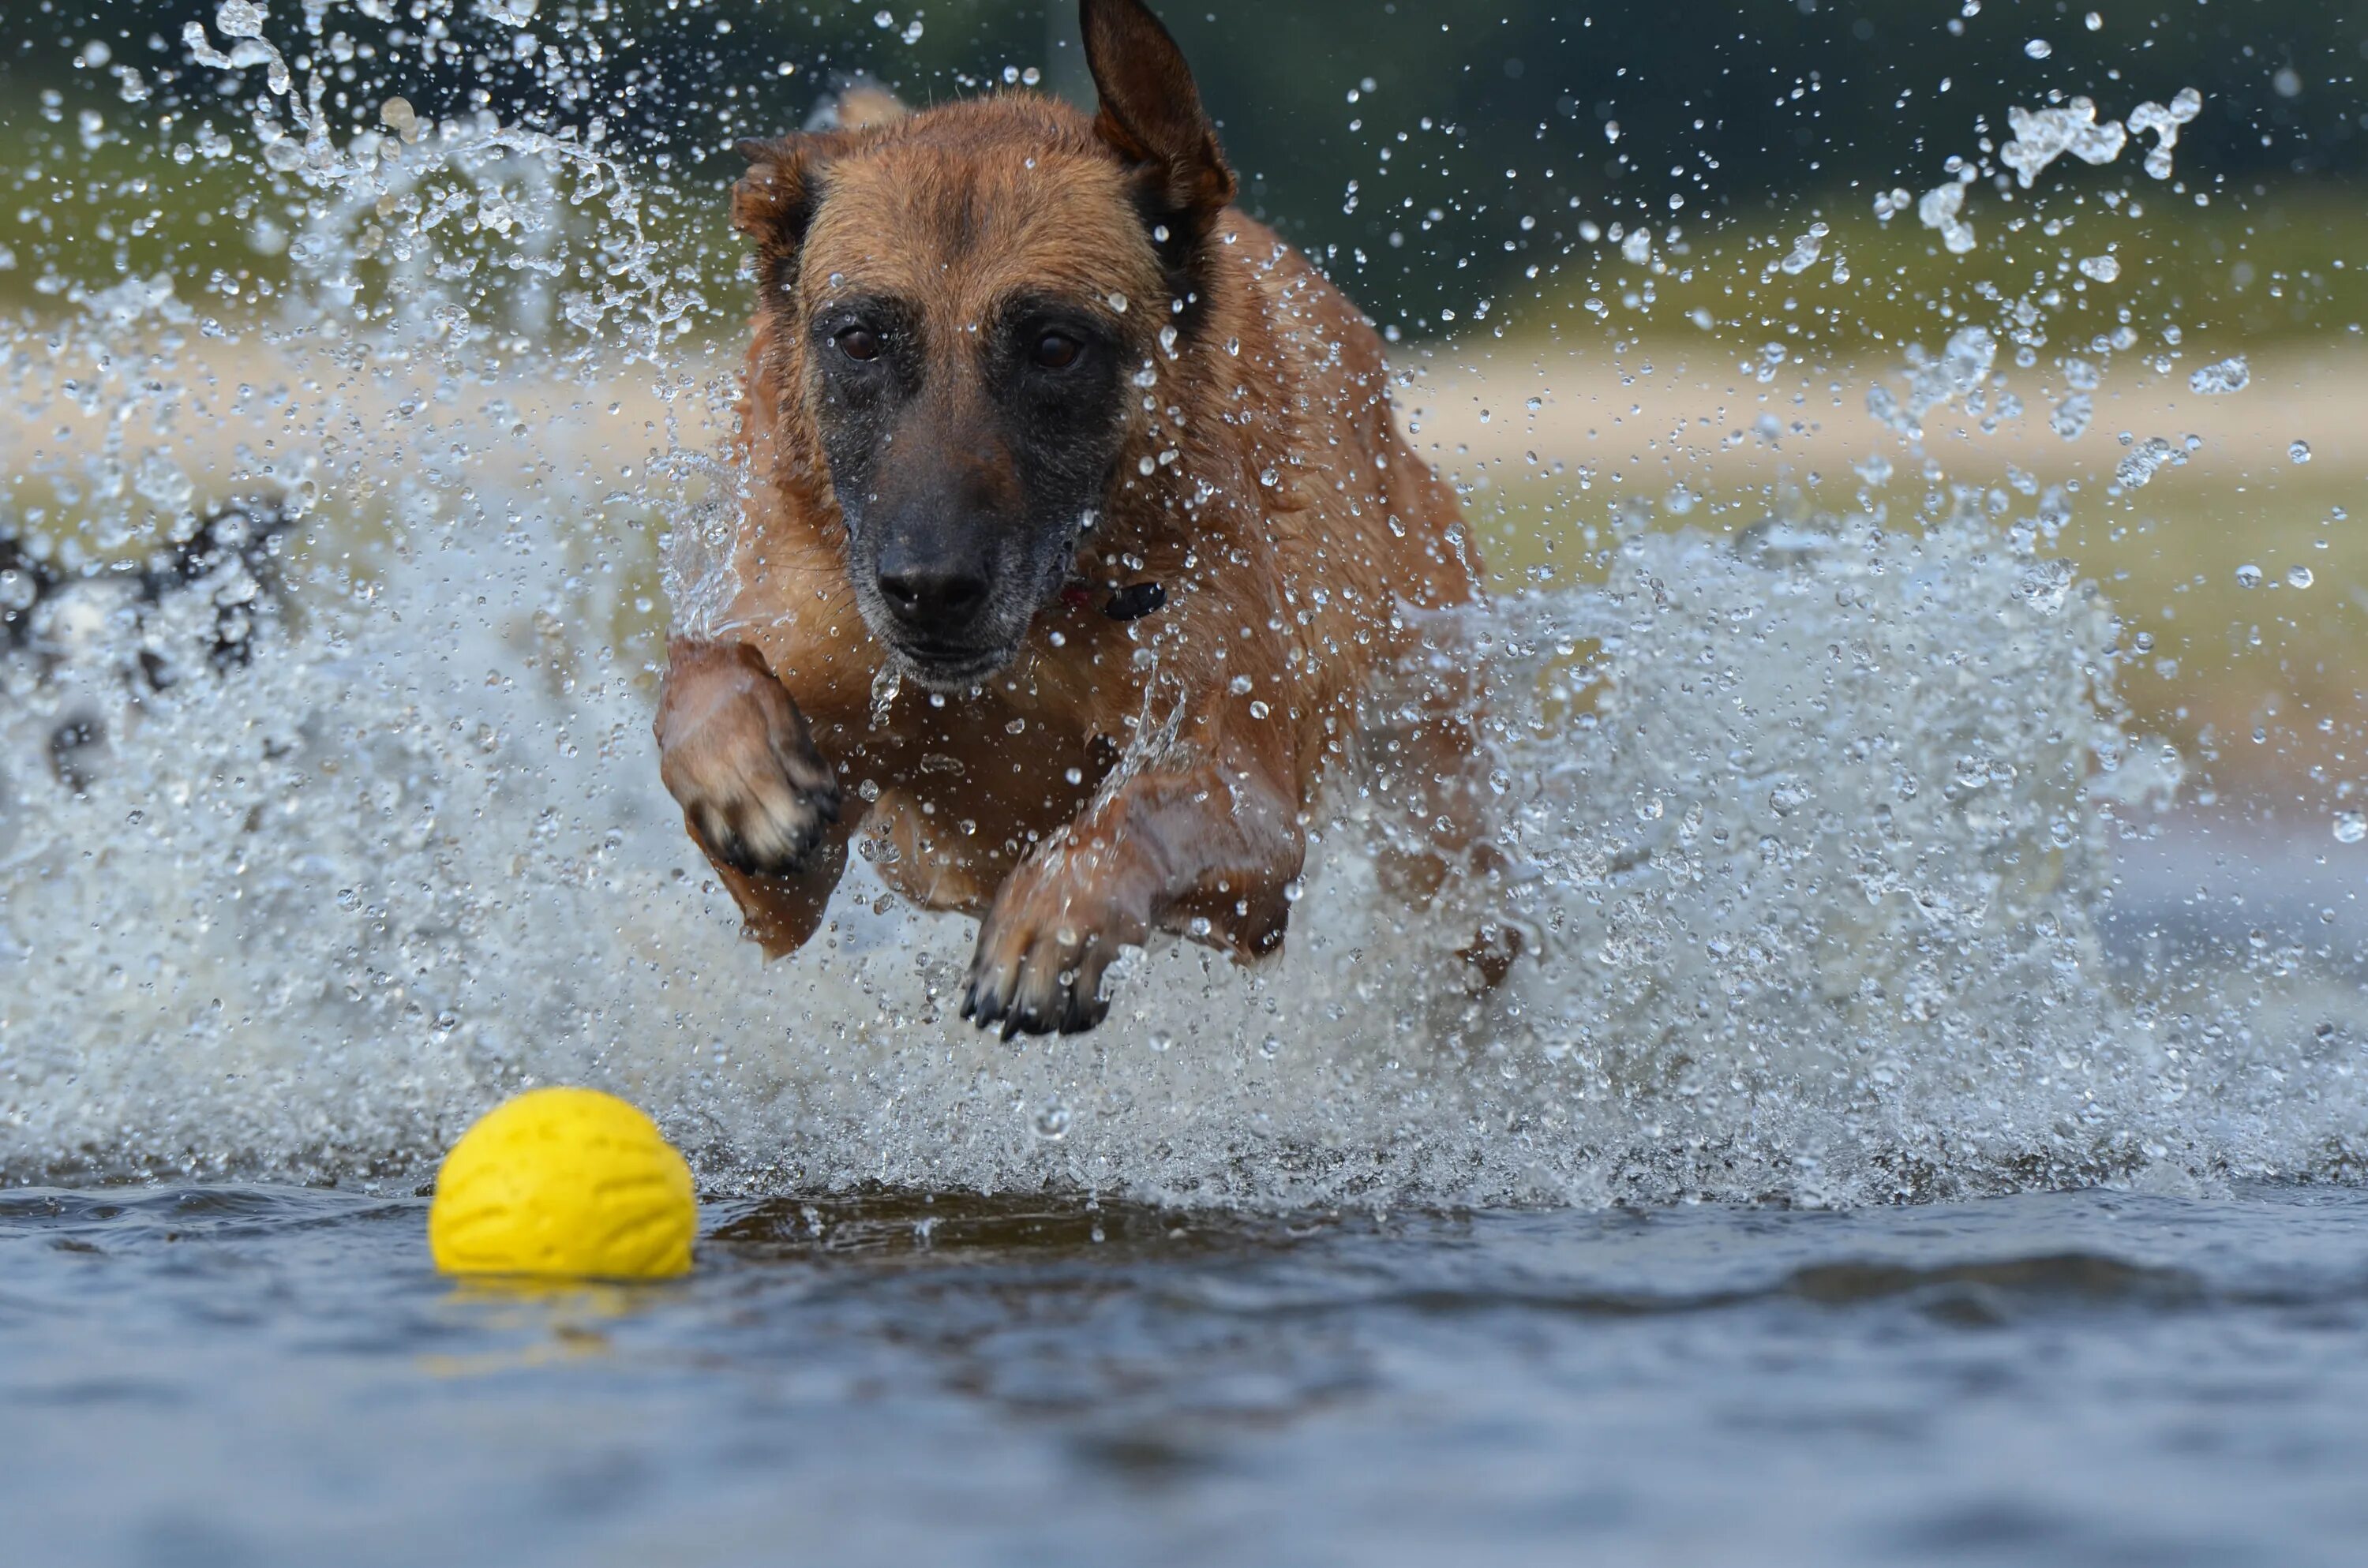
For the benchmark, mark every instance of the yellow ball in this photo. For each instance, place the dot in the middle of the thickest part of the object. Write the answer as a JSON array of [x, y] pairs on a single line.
[[568, 1182]]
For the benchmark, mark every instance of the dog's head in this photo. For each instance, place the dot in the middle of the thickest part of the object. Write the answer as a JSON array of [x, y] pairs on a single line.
[[970, 295]]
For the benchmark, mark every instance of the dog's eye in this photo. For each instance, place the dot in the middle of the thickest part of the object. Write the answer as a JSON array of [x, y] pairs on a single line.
[[1057, 351], [859, 343]]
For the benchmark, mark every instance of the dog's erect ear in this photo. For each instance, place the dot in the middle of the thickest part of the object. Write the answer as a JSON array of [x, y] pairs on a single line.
[[774, 201], [860, 104], [1151, 112]]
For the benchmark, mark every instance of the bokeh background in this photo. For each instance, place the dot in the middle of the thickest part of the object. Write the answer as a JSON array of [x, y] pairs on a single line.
[[1469, 172], [1743, 108]]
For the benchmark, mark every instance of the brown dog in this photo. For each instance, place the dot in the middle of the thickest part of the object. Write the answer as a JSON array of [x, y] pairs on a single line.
[[1077, 527]]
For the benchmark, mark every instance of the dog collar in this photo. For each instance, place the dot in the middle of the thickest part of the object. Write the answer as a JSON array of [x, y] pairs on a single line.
[[1130, 603], [1134, 601]]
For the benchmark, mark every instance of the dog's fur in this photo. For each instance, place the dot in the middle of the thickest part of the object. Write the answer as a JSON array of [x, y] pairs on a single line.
[[1078, 527]]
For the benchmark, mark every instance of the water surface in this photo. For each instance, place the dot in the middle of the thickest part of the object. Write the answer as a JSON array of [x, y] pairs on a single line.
[[260, 1375]]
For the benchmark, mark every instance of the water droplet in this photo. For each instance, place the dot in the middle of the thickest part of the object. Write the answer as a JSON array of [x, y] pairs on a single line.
[[2096, 20], [883, 20], [2351, 827], [2299, 452], [1161, 1040], [2249, 576], [2230, 375], [2298, 577], [239, 18], [1053, 1122], [2039, 49]]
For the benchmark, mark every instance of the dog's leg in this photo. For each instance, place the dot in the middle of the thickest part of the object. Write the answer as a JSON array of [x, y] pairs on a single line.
[[783, 912], [1439, 768], [757, 796], [1434, 764], [1209, 847], [1428, 772]]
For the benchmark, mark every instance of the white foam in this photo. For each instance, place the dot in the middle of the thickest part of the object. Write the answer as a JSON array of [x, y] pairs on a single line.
[[1812, 843]]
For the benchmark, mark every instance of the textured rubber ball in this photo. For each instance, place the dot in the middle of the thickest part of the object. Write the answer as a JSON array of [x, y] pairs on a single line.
[[564, 1182]]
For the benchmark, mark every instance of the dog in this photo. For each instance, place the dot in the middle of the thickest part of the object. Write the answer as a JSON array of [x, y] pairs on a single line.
[[1078, 527], [62, 620]]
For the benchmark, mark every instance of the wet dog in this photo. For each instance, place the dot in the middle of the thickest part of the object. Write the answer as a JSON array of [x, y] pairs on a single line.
[[1078, 528], [228, 564]]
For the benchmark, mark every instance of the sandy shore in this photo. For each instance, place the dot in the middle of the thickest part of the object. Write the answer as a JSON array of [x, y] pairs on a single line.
[[1663, 418], [1682, 414]]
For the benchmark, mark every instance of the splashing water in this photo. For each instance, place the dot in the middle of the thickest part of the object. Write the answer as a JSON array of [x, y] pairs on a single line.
[[1943, 208], [1962, 368], [2230, 375], [1811, 829], [2043, 135], [2164, 121], [2149, 458]]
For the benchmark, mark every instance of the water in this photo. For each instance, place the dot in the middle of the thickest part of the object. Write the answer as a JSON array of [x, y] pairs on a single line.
[[2037, 1379], [1803, 928], [1919, 1125]]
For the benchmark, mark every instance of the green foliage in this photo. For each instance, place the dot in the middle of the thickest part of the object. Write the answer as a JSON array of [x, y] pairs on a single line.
[[2290, 263], [1497, 122]]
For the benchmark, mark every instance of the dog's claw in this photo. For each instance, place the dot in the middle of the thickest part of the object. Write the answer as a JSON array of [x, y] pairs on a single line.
[[1044, 975]]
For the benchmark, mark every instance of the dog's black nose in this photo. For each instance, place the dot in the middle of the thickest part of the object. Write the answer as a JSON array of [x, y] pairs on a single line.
[[928, 596]]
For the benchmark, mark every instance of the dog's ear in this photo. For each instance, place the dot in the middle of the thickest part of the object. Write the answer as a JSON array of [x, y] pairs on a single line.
[[860, 104], [1151, 113], [774, 201]]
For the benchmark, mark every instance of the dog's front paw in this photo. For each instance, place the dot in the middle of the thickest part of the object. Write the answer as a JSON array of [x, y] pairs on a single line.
[[733, 749], [1042, 949]]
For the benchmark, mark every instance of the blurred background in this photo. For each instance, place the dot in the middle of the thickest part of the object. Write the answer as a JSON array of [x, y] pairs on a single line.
[[1579, 223], [1749, 109]]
